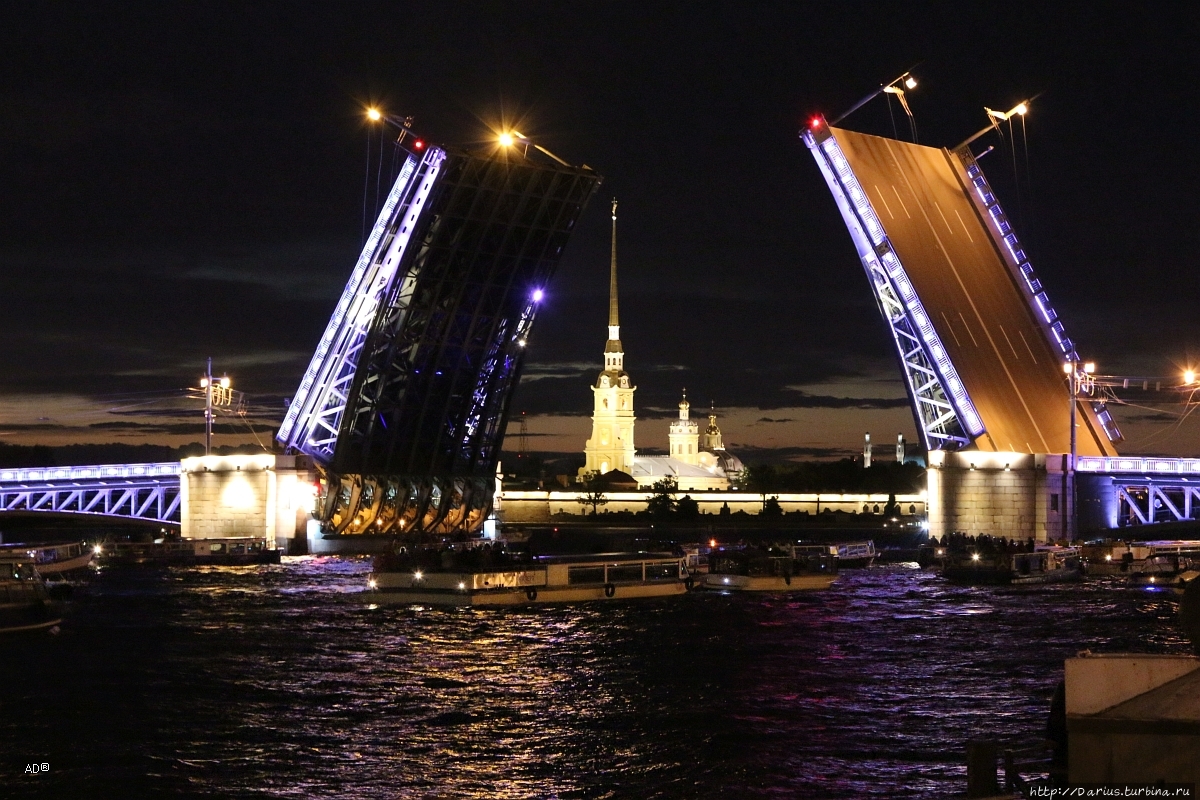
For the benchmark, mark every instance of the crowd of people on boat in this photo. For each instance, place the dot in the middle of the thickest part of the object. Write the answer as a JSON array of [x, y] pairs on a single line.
[[451, 558], [986, 543]]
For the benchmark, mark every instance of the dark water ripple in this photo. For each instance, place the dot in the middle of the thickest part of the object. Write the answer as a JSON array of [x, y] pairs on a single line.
[[282, 682]]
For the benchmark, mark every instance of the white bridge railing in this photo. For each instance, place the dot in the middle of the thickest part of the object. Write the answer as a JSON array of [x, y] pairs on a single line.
[[147, 492], [1141, 466]]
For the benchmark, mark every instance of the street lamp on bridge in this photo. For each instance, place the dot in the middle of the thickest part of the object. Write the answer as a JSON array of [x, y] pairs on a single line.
[[217, 392], [1079, 377]]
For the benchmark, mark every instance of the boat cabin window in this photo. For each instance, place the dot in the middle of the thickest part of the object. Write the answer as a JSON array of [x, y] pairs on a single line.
[[662, 571], [577, 575], [624, 572]]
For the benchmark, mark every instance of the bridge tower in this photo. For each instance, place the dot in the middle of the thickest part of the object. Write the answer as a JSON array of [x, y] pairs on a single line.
[[404, 404]]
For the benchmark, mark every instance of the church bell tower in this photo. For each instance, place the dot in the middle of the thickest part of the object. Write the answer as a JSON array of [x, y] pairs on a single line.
[[685, 435], [611, 445]]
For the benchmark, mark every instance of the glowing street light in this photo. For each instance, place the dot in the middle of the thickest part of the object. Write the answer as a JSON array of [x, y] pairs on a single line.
[[506, 139], [1189, 377], [216, 393], [1079, 376], [891, 87], [374, 115], [996, 117]]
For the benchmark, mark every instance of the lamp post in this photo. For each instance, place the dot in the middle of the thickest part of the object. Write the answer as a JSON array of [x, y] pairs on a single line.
[[1079, 376], [223, 396], [892, 87], [994, 120]]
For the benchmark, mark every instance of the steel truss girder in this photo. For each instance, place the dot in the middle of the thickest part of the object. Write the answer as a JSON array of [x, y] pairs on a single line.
[[1146, 503], [444, 354], [405, 402], [944, 414], [314, 416], [150, 499]]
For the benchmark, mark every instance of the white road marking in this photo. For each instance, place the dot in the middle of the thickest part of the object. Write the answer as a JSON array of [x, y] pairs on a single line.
[[901, 199], [939, 208], [965, 229], [968, 327], [1027, 347], [883, 200], [1010, 344], [950, 328]]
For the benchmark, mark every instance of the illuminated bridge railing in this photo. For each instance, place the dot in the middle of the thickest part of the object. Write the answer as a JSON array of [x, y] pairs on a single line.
[[148, 492], [1149, 491], [1166, 467]]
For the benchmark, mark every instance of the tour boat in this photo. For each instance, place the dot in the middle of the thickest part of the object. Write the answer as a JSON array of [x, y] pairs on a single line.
[[1044, 564], [24, 602], [775, 569], [1141, 560], [856, 554], [466, 578], [55, 561], [229, 551]]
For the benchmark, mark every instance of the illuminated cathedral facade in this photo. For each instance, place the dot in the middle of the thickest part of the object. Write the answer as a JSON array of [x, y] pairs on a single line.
[[694, 462]]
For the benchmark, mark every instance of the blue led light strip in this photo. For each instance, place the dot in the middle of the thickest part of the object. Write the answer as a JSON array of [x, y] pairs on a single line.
[[945, 412], [147, 492], [1143, 466], [314, 416], [98, 472]]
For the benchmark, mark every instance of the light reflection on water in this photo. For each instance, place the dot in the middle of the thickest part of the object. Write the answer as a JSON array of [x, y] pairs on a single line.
[[282, 681]]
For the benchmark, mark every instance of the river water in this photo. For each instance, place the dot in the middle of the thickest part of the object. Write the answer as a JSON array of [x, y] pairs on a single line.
[[282, 681]]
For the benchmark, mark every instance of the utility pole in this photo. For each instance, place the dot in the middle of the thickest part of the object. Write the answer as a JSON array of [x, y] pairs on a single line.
[[1075, 379], [208, 411], [216, 393]]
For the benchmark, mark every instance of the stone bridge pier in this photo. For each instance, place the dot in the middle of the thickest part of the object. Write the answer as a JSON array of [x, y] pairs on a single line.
[[1014, 495], [263, 496]]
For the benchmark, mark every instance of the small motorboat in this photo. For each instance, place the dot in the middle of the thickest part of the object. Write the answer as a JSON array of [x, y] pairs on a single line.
[[25, 605], [1043, 564], [1141, 561], [788, 568], [853, 555]]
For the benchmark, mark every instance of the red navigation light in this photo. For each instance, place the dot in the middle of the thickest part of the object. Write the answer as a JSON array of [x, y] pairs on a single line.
[[815, 123], [418, 144]]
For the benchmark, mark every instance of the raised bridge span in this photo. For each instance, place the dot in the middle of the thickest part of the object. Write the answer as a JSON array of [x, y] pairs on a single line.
[[983, 351], [399, 418]]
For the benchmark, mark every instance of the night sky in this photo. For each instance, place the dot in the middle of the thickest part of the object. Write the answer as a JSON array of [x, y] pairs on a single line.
[[186, 180]]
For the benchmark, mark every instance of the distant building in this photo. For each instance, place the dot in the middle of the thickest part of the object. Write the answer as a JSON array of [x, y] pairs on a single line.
[[694, 466], [611, 445]]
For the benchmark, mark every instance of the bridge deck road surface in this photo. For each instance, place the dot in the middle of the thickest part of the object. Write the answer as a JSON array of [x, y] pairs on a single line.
[[1011, 370]]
